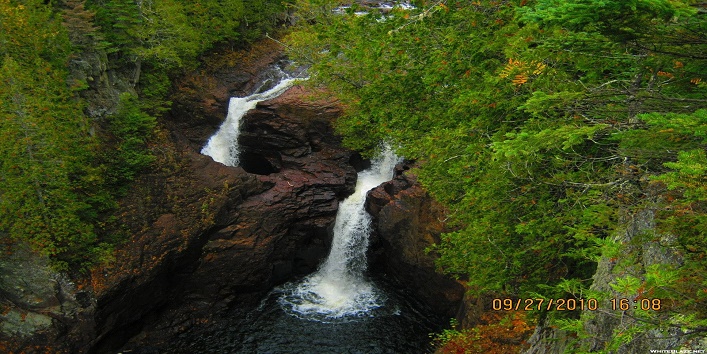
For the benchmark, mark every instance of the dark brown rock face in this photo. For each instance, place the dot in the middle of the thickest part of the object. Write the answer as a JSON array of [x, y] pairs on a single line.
[[149, 270], [257, 230], [289, 132], [408, 221]]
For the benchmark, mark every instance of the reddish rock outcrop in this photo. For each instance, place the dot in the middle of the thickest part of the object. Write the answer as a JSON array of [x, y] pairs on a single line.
[[407, 221], [292, 131], [147, 272]]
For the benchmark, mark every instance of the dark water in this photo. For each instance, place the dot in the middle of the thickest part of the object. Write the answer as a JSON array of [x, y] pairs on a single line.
[[399, 326]]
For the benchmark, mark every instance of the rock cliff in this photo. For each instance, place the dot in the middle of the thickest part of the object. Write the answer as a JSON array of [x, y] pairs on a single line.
[[251, 228], [407, 222], [201, 96]]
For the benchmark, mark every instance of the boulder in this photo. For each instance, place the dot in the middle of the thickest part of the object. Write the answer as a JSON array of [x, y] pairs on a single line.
[[39, 306]]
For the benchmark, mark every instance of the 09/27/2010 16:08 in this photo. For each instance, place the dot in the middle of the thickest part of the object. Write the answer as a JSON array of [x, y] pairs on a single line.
[[591, 304]]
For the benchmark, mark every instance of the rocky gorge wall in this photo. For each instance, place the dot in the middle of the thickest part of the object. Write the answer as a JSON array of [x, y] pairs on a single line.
[[407, 222], [206, 240]]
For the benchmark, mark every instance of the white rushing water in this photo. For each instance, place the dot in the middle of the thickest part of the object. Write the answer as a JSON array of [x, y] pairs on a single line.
[[339, 288], [223, 145]]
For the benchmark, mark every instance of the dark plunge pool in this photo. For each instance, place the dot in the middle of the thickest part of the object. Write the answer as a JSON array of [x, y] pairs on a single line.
[[399, 325]]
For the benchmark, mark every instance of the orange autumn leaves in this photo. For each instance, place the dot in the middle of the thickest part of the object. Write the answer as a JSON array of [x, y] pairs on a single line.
[[520, 71], [500, 333]]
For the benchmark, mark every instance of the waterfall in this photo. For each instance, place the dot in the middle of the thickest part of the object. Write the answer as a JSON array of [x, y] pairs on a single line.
[[339, 288], [223, 145]]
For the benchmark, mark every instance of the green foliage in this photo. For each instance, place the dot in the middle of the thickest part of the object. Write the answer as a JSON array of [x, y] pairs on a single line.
[[621, 19], [539, 124], [79, 22], [160, 39], [154, 87], [59, 182], [117, 20], [685, 214], [44, 136], [171, 34], [30, 33], [131, 128], [688, 175]]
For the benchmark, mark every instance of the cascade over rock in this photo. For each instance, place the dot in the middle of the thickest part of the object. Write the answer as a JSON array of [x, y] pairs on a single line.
[[339, 288], [407, 221], [202, 96]]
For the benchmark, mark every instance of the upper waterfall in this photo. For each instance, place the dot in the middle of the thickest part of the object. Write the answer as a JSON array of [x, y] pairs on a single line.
[[223, 145]]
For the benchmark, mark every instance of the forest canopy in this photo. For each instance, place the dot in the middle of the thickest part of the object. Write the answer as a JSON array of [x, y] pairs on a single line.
[[544, 126]]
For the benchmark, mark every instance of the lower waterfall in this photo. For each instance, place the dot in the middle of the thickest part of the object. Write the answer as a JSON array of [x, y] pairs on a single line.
[[340, 308], [339, 288]]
